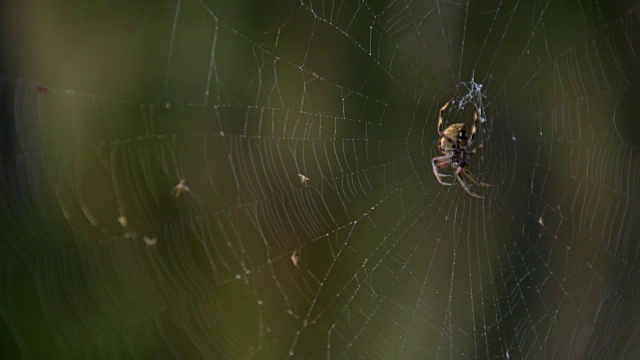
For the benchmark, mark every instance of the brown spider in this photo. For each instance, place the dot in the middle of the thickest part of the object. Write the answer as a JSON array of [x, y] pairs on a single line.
[[455, 147]]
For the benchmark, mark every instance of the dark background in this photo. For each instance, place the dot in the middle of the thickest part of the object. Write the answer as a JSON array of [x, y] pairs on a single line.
[[107, 105]]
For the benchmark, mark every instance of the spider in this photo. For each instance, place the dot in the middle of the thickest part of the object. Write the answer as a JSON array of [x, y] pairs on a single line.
[[455, 146]]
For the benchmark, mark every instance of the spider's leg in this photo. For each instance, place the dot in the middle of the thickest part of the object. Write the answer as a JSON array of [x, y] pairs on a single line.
[[437, 173], [441, 119], [469, 176], [442, 161], [475, 123], [476, 150], [466, 187], [441, 123]]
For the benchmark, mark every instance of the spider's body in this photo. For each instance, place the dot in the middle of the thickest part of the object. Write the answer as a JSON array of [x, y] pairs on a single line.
[[456, 132], [454, 144]]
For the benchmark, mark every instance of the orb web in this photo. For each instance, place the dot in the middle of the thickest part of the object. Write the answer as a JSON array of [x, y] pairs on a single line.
[[245, 180]]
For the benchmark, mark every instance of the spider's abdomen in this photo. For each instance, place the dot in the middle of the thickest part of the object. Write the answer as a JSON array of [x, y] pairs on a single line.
[[455, 132]]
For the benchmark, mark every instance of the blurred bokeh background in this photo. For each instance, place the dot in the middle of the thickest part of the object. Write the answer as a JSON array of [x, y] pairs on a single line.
[[244, 179]]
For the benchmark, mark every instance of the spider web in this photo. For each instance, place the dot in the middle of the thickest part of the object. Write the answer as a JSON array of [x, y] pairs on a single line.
[[234, 179]]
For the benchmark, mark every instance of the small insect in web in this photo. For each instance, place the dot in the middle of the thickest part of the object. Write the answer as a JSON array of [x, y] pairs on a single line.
[[150, 241], [295, 258], [180, 188], [455, 145], [42, 89], [122, 220], [303, 179]]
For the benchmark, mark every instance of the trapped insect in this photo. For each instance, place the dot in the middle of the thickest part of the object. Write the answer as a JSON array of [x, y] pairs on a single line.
[[295, 258], [150, 241], [180, 188], [455, 145], [303, 179]]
